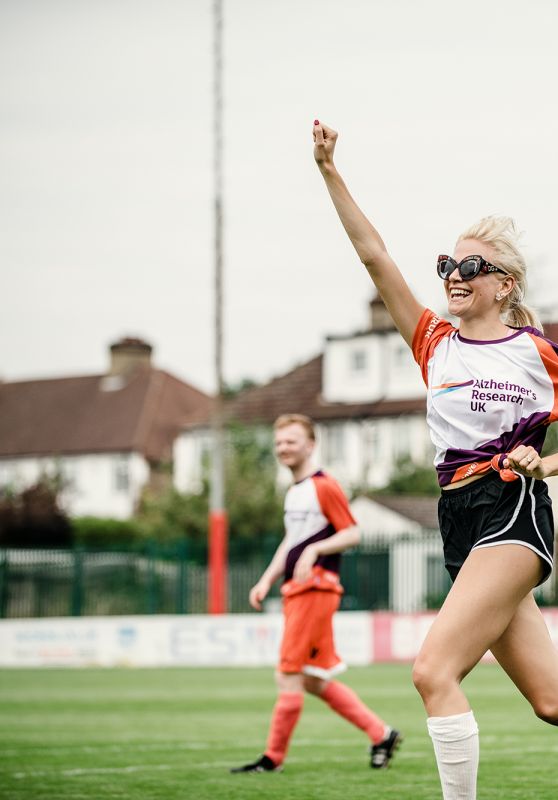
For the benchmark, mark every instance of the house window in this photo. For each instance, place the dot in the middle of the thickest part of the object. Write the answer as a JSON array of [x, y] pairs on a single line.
[[334, 444], [121, 474], [401, 439], [401, 358], [358, 360], [371, 439]]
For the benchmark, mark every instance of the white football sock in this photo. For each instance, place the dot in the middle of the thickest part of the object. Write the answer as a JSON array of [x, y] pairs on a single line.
[[456, 745]]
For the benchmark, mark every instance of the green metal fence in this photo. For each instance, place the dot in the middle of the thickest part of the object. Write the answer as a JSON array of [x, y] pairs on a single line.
[[403, 573]]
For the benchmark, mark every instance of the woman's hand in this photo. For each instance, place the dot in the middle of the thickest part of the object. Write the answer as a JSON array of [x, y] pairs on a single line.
[[526, 461], [324, 144]]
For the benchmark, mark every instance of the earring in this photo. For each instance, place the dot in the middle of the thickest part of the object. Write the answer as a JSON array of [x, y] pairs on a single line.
[[499, 296]]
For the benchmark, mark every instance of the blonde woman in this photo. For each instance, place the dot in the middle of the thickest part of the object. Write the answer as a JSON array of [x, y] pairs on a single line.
[[492, 392]]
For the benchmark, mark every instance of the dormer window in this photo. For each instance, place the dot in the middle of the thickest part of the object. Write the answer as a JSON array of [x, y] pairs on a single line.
[[358, 360]]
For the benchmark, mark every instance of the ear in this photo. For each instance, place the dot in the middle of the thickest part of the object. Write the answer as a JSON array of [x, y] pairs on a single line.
[[506, 286]]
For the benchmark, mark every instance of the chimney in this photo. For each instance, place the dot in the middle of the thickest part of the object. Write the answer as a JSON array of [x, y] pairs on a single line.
[[128, 355], [380, 319]]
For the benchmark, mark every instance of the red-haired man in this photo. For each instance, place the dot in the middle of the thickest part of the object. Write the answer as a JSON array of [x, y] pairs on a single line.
[[319, 526]]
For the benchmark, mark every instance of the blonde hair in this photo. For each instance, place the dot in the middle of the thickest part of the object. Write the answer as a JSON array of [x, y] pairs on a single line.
[[299, 419], [502, 235]]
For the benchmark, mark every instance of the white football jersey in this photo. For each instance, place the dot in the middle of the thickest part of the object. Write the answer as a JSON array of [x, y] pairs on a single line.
[[484, 397], [315, 508]]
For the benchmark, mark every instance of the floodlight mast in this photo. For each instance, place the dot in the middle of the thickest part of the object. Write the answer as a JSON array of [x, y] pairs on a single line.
[[218, 522]]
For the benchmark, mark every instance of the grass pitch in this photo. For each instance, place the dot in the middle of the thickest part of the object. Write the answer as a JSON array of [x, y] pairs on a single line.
[[169, 734]]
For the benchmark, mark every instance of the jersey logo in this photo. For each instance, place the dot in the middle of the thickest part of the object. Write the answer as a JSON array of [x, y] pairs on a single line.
[[450, 387]]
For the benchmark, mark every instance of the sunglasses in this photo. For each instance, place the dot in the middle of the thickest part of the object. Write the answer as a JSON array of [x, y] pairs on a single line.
[[469, 268]]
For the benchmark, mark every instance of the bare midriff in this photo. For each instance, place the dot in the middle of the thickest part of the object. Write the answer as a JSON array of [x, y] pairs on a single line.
[[464, 481]]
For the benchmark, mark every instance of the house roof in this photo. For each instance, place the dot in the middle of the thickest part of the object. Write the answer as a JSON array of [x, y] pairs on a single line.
[[141, 412], [418, 508], [300, 391], [551, 330]]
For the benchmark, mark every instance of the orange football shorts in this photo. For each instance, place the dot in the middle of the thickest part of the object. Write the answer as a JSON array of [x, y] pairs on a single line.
[[307, 645]]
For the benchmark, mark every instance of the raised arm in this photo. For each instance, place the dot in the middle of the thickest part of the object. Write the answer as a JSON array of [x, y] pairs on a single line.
[[402, 305]]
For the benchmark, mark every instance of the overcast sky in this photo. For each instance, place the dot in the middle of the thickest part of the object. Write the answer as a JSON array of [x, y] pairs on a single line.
[[446, 110]]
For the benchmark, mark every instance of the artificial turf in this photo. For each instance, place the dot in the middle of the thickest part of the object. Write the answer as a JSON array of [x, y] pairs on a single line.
[[86, 734]]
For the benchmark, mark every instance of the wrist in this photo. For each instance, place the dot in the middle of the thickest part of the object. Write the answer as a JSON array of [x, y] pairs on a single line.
[[327, 168]]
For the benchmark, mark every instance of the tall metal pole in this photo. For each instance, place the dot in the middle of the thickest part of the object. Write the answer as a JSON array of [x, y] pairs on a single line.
[[217, 588]]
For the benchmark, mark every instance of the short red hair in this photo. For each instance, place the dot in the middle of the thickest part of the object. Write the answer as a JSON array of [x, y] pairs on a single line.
[[296, 419]]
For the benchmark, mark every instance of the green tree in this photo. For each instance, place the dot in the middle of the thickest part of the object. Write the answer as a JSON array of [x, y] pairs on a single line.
[[251, 497], [551, 441], [232, 390], [104, 532], [34, 517], [411, 478], [253, 502], [171, 515]]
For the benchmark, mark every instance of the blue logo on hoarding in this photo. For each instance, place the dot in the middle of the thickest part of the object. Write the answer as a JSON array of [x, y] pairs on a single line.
[[127, 637]]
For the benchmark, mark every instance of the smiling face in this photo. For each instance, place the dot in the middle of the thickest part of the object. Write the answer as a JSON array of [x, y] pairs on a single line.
[[294, 447], [476, 298]]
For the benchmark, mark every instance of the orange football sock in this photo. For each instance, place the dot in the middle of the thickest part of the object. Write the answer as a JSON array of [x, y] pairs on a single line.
[[284, 718], [346, 703]]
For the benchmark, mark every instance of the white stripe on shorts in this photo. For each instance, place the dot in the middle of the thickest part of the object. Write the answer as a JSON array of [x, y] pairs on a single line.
[[533, 503], [512, 520], [544, 554], [516, 541]]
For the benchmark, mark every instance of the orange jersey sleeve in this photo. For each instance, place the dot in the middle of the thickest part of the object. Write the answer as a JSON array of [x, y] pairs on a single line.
[[549, 357], [431, 329], [333, 502]]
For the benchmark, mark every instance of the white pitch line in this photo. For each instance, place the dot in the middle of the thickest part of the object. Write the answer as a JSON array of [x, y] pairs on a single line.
[[115, 748], [142, 748], [69, 773]]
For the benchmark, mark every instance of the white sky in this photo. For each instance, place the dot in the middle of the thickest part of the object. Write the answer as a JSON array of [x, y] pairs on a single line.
[[446, 110]]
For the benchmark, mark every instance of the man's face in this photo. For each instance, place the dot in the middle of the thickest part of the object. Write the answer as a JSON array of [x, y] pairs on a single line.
[[293, 446]]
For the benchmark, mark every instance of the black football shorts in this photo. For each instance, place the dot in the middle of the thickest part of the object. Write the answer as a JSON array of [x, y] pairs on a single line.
[[489, 512]]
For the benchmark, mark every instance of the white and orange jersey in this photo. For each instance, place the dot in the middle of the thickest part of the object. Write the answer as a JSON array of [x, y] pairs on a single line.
[[315, 508], [484, 397]]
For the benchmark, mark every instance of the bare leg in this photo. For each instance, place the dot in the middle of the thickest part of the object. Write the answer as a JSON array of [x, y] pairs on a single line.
[[479, 609], [481, 604], [528, 655], [314, 685], [290, 681]]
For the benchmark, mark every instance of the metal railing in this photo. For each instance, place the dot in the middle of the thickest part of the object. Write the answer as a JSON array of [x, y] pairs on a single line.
[[402, 573]]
